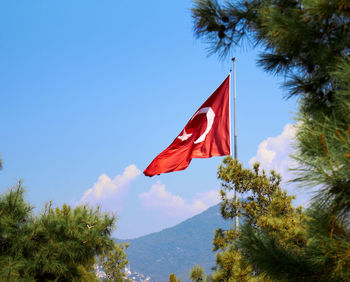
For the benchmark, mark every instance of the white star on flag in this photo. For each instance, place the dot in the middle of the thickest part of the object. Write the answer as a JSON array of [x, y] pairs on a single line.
[[184, 136]]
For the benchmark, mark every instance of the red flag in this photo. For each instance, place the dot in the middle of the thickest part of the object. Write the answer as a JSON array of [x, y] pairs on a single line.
[[207, 134]]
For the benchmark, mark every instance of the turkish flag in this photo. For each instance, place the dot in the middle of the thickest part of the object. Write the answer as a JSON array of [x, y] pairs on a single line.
[[207, 134]]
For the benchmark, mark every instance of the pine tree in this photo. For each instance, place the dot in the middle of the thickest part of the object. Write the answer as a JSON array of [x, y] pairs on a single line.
[[59, 244], [114, 261], [266, 208], [197, 274], [276, 242], [302, 40], [306, 42], [324, 148], [324, 256], [15, 213], [173, 278]]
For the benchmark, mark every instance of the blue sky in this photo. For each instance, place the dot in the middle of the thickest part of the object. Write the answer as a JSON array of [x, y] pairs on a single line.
[[94, 89]]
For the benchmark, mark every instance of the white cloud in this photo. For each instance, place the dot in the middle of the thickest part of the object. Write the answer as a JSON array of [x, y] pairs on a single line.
[[173, 205], [106, 189], [274, 153]]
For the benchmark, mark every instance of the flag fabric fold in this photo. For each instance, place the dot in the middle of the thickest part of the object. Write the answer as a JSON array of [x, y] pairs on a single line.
[[206, 134]]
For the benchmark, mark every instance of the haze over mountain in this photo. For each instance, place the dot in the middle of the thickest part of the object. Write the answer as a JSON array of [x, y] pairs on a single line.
[[177, 249]]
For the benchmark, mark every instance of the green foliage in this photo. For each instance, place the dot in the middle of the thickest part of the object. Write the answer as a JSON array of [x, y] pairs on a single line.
[[173, 278], [58, 244], [266, 209], [197, 274], [266, 206], [85, 274], [324, 148], [277, 242], [14, 215], [301, 39], [324, 257], [328, 245], [113, 261]]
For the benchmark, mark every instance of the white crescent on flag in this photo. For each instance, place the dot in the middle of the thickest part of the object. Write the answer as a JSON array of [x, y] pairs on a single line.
[[210, 120]]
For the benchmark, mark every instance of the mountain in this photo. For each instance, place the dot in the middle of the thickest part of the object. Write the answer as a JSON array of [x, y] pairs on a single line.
[[177, 249]]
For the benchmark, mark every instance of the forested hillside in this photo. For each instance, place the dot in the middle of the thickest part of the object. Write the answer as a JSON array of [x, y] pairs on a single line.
[[177, 249]]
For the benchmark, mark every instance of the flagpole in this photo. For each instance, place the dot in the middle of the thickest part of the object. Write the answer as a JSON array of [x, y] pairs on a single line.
[[235, 128], [229, 105]]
